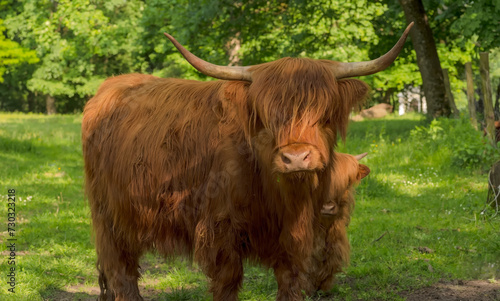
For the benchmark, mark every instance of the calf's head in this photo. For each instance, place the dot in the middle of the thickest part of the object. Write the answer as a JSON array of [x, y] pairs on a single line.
[[347, 172]]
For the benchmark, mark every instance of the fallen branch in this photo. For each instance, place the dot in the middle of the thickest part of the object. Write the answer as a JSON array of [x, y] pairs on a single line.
[[380, 237]]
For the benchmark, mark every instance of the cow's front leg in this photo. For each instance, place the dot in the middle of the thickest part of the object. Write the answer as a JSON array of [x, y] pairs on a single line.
[[226, 278], [221, 259], [291, 282]]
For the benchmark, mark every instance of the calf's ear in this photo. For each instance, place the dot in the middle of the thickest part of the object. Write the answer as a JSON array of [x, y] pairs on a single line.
[[363, 171]]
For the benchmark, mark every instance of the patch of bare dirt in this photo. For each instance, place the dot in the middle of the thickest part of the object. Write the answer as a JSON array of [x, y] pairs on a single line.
[[85, 293], [71, 296], [457, 290]]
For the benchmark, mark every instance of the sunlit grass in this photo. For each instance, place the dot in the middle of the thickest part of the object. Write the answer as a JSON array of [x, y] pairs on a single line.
[[416, 198]]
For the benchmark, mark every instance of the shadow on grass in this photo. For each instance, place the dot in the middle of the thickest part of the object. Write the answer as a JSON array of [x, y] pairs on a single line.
[[55, 294], [8, 145], [431, 233], [391, 128]]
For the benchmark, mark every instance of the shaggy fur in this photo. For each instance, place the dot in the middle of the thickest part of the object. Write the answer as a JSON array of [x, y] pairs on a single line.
[[331, 245], [186, 168]]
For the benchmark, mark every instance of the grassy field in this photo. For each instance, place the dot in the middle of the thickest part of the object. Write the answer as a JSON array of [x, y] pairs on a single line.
[[419, 215]]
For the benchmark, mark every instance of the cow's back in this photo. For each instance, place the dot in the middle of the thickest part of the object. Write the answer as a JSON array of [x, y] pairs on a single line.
[[148, 144]]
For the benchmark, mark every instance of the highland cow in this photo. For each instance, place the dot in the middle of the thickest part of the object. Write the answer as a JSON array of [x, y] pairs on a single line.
[[221, 170]]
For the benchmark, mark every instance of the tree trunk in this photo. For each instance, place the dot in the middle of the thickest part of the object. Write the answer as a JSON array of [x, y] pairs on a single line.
[[493, 198], [233, 47], [427, 58], [449, 94], [31, 102], [388, 95], [489, 116], [497, 104], [470, 94], [51, 105]]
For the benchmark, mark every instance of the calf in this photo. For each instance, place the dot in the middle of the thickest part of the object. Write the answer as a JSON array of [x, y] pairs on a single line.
[[331, 246]]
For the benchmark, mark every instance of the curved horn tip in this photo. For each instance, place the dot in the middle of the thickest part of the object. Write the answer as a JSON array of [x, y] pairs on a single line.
[[410, 25], [360, 156], [407, 30], [171, 38], [344, 70]]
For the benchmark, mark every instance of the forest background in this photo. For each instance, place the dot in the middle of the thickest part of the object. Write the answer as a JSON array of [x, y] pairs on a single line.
[[54, 54]]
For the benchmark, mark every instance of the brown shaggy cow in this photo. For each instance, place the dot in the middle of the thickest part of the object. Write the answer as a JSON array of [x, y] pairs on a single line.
[[331, 246], [222, 170]]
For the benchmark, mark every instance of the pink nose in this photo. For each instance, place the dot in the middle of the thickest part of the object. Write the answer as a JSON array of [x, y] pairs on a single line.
[[296, 160]]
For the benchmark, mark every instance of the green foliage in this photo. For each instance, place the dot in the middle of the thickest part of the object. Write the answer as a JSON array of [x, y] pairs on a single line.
[[454, 25], [80, 43], [404, 72], [467, 148], [269, 30], [77, 44], [11, 53], [479, 19]]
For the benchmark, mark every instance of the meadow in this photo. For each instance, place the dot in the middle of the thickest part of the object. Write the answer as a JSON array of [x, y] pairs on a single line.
[[420, 215]]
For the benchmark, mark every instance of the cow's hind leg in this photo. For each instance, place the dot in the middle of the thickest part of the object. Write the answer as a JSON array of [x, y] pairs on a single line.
[[118, 267]]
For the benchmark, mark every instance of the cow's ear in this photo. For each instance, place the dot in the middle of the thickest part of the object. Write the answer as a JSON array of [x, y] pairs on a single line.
[[353, 92], [363, 171]]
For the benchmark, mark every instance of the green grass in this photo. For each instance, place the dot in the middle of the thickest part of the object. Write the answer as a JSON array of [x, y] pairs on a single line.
[[427, 189]]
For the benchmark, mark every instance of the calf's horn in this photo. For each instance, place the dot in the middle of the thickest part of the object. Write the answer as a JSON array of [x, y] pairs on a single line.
[[360, 156]]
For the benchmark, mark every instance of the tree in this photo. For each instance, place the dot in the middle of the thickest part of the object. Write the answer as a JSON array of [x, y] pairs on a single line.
[[268, 30], [478, 18], [427, 58], [11, 53], [79, 42], [12, 56]]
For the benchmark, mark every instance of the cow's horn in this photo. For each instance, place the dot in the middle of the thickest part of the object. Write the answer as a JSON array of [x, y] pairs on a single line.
[[343, 70], [220, 72], [360, 156]]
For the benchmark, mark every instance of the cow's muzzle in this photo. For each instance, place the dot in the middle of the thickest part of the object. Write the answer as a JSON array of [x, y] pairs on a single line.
[[297, 157]]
